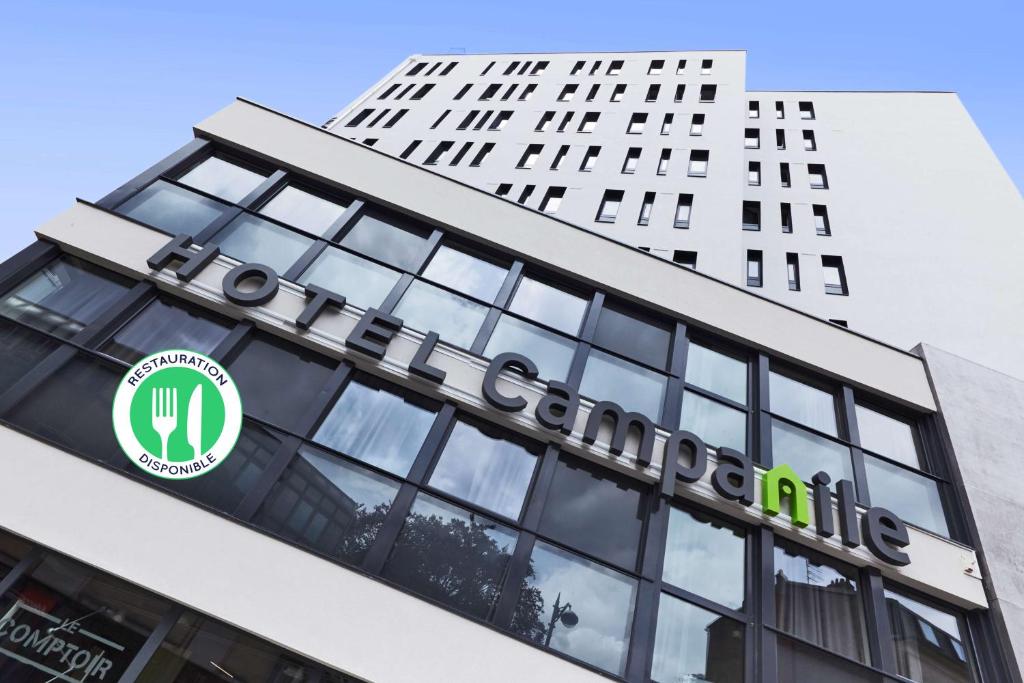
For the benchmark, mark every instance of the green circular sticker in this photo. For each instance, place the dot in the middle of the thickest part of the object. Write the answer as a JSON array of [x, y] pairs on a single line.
[[177, 414]]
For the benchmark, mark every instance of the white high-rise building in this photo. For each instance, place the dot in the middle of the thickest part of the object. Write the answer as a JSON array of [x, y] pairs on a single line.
[[883, 211]]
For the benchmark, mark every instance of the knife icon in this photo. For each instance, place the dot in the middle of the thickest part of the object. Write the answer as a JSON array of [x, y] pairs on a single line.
[[194, 424]]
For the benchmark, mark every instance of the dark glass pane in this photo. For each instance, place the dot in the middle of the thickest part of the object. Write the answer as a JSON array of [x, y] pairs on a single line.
[[426, 308], [590, 508], [717, 372], [913, 497], [362, 282], [303, 210], [279, 381], [887, 436], [577, 607], [451, 555], [111, 623], [222, 178], [376, 424], [929, 642], [162, 326], [551, 352], [201, 650], [706, 557], [799, 663], [479, 466], [802, 403], [468, 274], [388, 239], [809, 453], [254, 240], [638, 339], [328, 504], [72, 408], [716, 423], [226, 485], [635, 388], [818, 601], [63, 297], [548, 305], [172, 209], [20, 351], [12, 550], [693, 644]]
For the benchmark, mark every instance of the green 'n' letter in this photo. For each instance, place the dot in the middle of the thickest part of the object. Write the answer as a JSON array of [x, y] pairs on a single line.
[[782, 482]]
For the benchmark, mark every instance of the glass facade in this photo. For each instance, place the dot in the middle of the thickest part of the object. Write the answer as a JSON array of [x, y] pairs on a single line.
[[560, 552]]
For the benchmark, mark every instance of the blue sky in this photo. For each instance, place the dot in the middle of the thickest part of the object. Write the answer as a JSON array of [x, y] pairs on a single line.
[[91, 93]]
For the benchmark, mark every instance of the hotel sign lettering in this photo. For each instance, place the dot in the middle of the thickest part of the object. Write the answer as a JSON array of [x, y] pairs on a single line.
[[684, 454]]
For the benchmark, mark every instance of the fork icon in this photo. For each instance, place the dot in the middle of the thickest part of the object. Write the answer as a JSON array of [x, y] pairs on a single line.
[[165, 415]]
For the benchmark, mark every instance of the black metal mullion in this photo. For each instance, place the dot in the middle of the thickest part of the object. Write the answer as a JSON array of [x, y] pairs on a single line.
[[152, 644], [764, 609], [880, 637], [541, 487], [345, 221], [432, 445], [578, 364], [28, 563], [42, 371], [672, 407], [483, 335], [206, 234], [259, 491], [504, 296], [229, 347], [518, 564], [196, 148], [761, 438], [118, 313], [641, 640], [396, 294], [26, 262], [272, 184], [589, 325], [325, 399], [296, 270], [377, 555]]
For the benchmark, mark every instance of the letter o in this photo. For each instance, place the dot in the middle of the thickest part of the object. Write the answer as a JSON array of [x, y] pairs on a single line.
[[261, 295]]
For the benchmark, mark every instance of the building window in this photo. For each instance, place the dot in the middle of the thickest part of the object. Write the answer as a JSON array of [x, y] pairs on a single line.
[[837, 321], [637, 122], [835, 275], [589, 159], [784, 178], [592, 93], [817, 176], [548, 305], [645, 209], [482, 154], [589, 122], [565, 121], [457, 159], [416, 68], [717, 423], [615, 68], [753, 268], [455, 318], [594, 67], [793, 271], [389, 238], [609, 207], [680, 67], [780, 139], [698, 167], [618, 92], [821, 225], [556, 163], [803, 403], [652, 92], [695, 535], [697, 124], [705, 67], [567, 92], [550, 351], [577, 68], [753, 110], [448, 69], [483, 120], [632, 159], [927, 639], [809, 144], [806, 111], [656, 67], [524, 196], [708, 92], [468, 119], [434, 157], [637, 388], [489, 92], [511, 68], [433, 68], [163, 325], [818, 600], [503, 189], [366, 284], [254, 240], [685, 258], [359, 118], [303, 209], [405, 91], [780, 110], [173, 209], [384, 95], [680, 91], [422, 91], [545, 120], [552, 200], [786, 216], [376, 119], [529, 157], [684, 207], [754, 173], [442, 117], [396, 118], [231, 182], [666, 154], [666, 124], [539, 69], [509, 91], [751, 215], [410, 149]]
